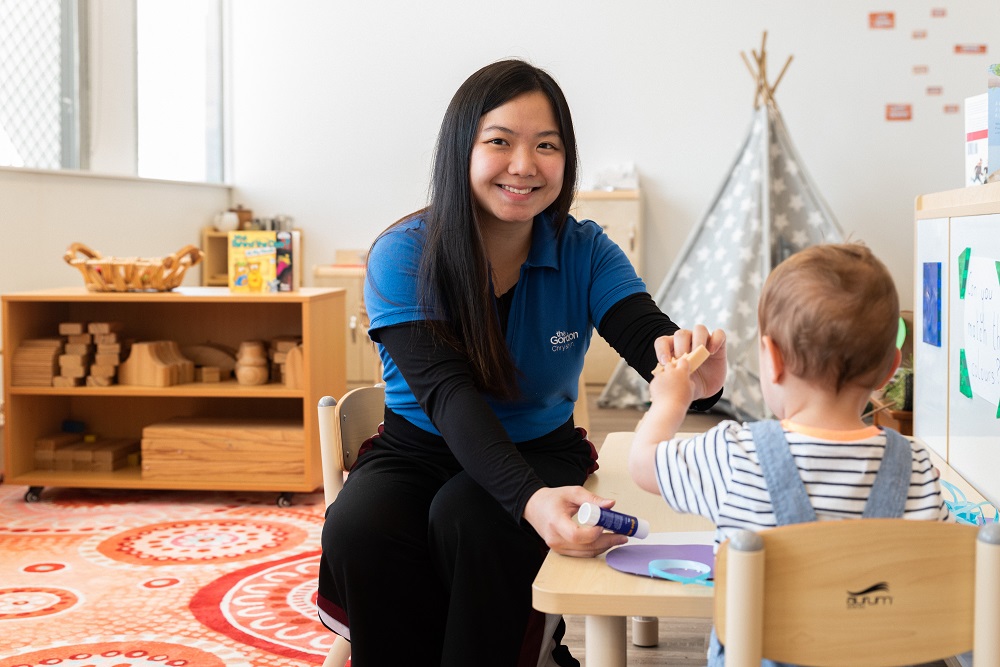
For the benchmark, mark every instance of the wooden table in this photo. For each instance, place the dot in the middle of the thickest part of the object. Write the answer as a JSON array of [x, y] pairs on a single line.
[[590, 587]]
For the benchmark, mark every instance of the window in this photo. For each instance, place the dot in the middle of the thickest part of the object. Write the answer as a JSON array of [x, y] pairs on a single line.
[[179, 96], [40, 74]]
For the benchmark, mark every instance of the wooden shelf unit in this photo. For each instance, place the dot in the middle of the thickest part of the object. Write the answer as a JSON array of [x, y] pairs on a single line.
[[185, 315], [619, 212], [363, 365]]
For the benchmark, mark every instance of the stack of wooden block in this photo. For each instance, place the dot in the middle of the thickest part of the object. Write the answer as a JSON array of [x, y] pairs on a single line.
[[36, 362], [74, 451], [92, 354], [111, 349], [282, 351], [78, 354]]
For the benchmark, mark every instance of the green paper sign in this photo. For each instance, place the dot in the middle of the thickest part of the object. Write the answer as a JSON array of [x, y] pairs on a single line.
[[964, 386], [963, 271]]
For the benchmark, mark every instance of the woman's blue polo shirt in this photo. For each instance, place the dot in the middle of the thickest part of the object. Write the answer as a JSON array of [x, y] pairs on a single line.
[[565, 287]]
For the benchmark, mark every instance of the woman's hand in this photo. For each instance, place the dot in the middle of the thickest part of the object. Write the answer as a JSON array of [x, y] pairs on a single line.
[[551, 512], [709, 378]]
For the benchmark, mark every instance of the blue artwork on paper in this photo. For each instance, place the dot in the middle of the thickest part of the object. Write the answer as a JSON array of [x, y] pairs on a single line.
[[932, 303]]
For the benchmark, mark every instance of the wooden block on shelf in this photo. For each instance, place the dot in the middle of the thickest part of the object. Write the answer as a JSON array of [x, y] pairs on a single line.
[[78, 348], [69, 372], [79, 339], [284, 343], [98, 381], [106, 339], [54, 441], [251, 450], [71, 328], [110, 348], [65, 457], [293, 368], [212, 354], [67, 381], [73, 360], [104, 370], [113, 454], [104, 327], [35, 362], [106, 359], [208, 374]]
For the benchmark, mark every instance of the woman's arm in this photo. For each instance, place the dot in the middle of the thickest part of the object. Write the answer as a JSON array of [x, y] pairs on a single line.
[[439, 378], [633, 325]]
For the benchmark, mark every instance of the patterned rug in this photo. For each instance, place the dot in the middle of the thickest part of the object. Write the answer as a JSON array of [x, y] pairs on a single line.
[[114, 578]]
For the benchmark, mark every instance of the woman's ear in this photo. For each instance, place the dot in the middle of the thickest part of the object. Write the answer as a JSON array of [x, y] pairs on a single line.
[[892, 371], [775, 363]]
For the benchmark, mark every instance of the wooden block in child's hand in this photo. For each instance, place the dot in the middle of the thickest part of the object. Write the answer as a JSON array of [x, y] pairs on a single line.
[[695, 357]]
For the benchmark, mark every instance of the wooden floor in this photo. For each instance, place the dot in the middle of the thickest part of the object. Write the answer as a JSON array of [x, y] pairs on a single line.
[[683, 641]]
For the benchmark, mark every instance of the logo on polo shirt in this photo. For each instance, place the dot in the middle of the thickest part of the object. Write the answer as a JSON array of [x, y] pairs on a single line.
[[564, 340]]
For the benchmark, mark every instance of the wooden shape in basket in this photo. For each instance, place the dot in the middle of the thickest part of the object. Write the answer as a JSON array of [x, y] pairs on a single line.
[[131, 274]]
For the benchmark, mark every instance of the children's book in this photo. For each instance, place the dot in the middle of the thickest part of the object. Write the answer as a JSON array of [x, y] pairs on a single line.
[[993, 116], [289, 260], [976, 139], [253, 261]]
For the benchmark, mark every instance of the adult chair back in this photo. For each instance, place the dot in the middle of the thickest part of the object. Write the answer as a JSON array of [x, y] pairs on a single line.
[[865, 593], [343, 427]]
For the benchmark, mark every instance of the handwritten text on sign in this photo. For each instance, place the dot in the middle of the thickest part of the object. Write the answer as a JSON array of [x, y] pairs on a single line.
[[982, 328]]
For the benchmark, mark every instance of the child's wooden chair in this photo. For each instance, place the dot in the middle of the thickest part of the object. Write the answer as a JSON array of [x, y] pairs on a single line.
[[863, 593]]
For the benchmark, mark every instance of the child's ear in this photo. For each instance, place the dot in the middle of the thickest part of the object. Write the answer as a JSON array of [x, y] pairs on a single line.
[[892, 371], [776, 362]]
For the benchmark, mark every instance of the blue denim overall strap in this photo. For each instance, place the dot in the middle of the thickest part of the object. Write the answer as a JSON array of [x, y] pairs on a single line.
[[892, 482], [784, 484]]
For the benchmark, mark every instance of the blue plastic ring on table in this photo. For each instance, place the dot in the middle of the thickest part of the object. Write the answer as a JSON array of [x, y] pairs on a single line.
[[661, 569]]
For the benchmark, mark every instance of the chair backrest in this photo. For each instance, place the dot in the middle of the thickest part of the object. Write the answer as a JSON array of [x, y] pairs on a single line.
[[344, 425], [859, 592]]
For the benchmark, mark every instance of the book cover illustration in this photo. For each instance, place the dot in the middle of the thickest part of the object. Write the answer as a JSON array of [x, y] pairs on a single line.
[[976, 139], [253, 261], [287, 254]]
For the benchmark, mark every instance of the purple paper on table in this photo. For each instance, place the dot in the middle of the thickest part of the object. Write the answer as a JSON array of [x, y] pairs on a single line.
[[635, 558]]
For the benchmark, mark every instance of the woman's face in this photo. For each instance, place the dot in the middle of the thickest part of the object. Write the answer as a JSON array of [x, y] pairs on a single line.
[[517, 162]]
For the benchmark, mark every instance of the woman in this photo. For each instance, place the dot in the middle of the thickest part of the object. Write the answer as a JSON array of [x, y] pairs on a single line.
[[482, 306]]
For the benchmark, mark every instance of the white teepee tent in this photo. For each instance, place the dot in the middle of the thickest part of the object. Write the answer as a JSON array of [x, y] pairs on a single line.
[[766, 209]]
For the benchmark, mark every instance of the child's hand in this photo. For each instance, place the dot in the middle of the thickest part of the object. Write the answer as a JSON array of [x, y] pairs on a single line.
[[711, 374], [672, 383]]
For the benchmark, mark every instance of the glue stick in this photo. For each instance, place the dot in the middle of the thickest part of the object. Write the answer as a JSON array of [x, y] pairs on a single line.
[[624, 524]]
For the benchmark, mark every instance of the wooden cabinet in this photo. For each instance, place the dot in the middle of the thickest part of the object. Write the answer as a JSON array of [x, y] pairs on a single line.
[[363, 365], [619, 212], [186, 316], [215, 262]]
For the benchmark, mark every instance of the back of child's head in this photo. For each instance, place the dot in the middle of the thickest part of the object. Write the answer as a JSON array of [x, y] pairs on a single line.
[[833, 312]]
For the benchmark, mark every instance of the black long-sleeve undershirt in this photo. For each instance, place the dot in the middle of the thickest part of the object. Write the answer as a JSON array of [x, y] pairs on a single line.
[[439, 378]]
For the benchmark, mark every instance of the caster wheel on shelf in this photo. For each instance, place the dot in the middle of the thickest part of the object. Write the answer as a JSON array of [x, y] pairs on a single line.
[[33, 495], [284, 499]]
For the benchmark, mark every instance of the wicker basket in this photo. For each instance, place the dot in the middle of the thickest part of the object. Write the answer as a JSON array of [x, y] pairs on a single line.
[[131, 274]]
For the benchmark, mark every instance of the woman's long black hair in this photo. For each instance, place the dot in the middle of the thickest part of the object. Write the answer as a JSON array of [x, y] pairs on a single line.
[[454, 269]]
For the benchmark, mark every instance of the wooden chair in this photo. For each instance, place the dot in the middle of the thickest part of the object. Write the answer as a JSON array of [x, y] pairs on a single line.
[[343, 427], [864, 593]]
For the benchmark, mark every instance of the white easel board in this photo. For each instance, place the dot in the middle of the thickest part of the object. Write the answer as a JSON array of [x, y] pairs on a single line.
[[930, 335]]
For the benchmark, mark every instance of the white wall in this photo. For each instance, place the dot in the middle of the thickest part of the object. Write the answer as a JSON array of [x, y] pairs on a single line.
[[42, 213], [337, 104]]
